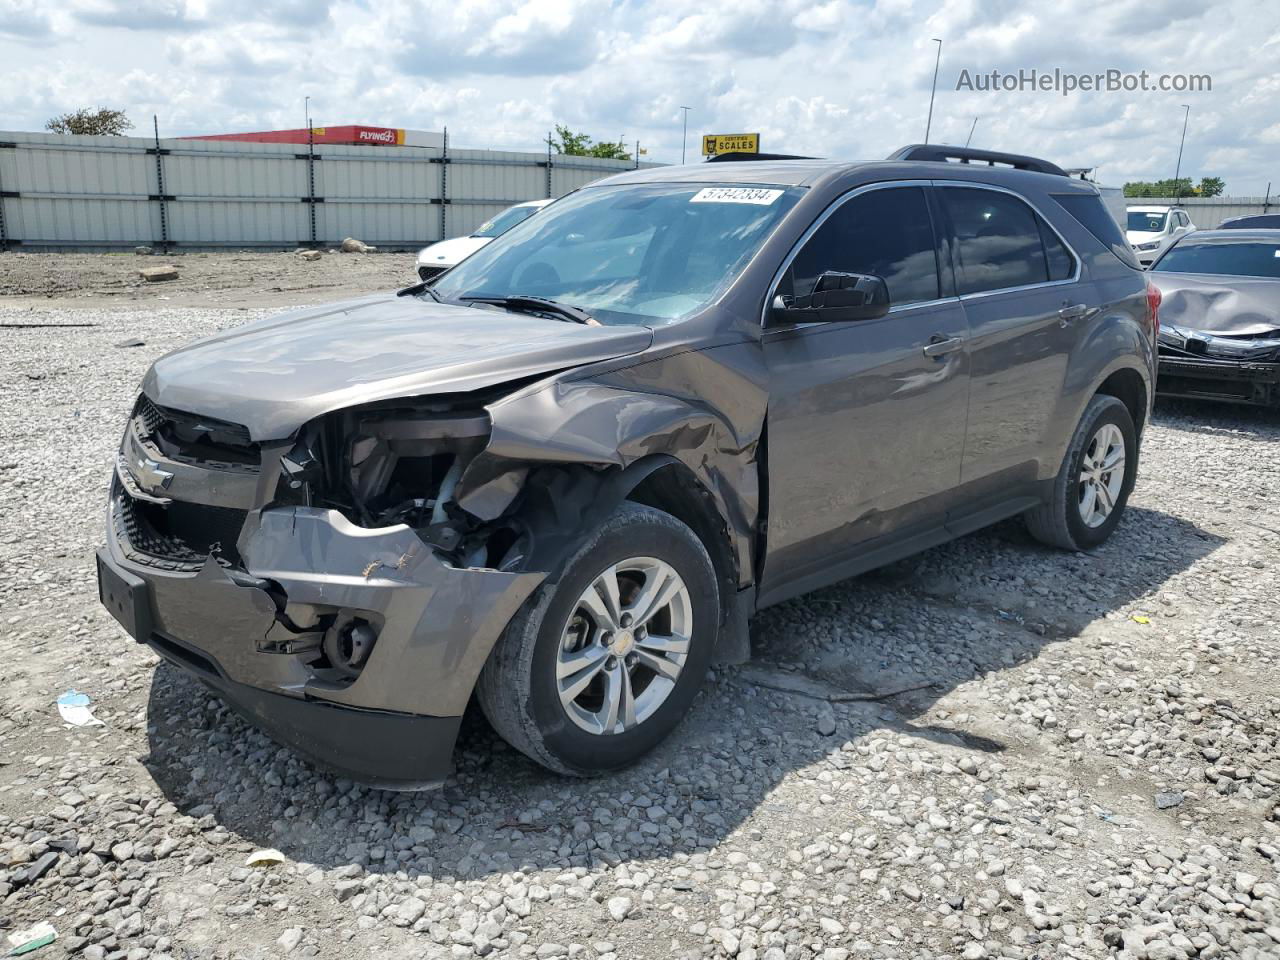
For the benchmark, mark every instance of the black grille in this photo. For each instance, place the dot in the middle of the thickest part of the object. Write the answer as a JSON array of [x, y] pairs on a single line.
[[190, 438], [178, 536], [427, 273]]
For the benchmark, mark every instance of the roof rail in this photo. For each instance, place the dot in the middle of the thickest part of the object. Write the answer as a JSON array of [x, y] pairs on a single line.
[[944, 154], [735, 157]]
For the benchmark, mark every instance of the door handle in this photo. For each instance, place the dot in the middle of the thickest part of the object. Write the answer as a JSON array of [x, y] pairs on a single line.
[[1073, 312], [939, 346]]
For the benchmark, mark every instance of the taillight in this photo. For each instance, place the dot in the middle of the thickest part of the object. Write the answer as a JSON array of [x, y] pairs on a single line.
[[1153, 308]]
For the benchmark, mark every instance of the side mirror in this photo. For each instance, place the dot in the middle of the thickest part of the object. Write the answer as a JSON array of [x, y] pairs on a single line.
[[836, 297]]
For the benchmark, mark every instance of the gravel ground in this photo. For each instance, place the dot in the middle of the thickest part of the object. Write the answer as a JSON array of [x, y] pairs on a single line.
[[1088, 766], [218, 279]]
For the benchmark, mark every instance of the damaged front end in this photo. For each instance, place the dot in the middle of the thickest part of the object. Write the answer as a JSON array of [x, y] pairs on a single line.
[[326, 585], [399, 463], [1219, 338], [343, 587], [1212, 366]]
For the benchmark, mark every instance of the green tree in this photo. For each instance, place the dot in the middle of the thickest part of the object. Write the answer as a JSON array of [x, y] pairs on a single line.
[[1182, 187], [572, 144], [568, 143], [102, 122], [1211, 187]]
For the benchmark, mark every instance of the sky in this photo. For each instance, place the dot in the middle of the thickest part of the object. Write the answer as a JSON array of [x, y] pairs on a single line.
[[835, 79]]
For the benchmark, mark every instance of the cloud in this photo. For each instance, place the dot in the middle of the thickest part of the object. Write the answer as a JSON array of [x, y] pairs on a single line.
[[140, 14], [237, 56], [25, 20], [839, 78], [497, 37]]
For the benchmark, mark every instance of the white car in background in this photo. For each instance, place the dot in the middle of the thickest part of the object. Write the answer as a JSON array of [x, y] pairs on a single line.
[[1153, 230], [439, 257]]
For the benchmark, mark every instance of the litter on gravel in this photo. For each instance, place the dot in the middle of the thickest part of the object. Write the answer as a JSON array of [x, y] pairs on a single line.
[[73, 707], [33, 938]]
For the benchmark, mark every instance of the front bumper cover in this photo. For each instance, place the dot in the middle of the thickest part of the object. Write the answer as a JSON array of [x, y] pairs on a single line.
[[393, 725]]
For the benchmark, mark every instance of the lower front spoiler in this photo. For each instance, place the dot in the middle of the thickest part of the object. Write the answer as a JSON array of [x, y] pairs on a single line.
[[392, 751], [1229, 381]]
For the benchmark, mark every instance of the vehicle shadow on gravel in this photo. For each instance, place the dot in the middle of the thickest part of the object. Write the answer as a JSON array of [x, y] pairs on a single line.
[[980, 605]]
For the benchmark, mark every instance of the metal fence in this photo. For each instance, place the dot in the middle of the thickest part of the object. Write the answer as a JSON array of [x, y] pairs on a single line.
[[76, 192], [1207, 212]]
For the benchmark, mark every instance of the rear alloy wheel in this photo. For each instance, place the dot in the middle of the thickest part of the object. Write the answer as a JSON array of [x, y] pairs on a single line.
[[1093, 485], [1102, 475], [600, 666]]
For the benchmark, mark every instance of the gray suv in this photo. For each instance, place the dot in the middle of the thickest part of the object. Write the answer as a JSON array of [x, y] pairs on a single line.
[[562, 476]]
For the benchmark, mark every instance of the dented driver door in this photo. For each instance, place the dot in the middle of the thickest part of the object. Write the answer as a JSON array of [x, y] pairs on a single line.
[[866, 421]]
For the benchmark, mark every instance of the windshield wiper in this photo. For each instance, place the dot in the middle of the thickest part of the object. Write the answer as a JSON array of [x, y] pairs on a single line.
[[418, 288], [537, 305]]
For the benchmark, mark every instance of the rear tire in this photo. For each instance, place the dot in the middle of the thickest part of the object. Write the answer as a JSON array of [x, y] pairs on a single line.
[[1092, 488], [580, 680]]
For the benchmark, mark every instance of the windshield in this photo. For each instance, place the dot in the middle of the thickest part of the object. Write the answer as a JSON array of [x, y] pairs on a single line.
[[1147, 222], [505, 221], [632, 253], [1252, 258]]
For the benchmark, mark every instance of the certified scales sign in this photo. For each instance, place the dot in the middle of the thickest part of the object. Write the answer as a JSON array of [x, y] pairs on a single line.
[[715, 143]]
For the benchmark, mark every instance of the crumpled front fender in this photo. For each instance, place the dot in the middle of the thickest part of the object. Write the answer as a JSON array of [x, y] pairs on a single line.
[[614, 424]]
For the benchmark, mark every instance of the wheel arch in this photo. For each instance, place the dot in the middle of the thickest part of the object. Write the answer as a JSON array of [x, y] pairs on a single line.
[[1129, 387], [668, 485]]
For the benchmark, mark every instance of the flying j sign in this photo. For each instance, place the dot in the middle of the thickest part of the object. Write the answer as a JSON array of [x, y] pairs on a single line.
[[714, 143]]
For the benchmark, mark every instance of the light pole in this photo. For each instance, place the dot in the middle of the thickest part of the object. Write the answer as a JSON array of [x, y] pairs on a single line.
[[684, 132], [306, 109], [1177, 187], [971, 129], [937, 60]]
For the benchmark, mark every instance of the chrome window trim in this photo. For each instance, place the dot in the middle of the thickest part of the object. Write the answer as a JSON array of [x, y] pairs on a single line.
[[813, 228], [1074, 278]]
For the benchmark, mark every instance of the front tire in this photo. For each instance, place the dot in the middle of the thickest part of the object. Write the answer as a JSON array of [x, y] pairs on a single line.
[[600, 667], [1093, 486]]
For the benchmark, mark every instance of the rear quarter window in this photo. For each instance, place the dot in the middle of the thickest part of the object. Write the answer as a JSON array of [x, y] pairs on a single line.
[[1090, 212]]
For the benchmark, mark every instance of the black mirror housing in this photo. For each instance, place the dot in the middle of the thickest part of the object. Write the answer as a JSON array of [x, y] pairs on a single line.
[[836, 297]]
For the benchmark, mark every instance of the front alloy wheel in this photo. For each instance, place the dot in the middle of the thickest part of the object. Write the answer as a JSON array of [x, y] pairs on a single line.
[[601, 664], [624, 645]]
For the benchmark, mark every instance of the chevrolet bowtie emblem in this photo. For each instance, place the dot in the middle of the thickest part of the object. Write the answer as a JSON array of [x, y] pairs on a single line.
[[149, 475]]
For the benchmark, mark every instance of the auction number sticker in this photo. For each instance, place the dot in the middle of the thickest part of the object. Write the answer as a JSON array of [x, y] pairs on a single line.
[[757, 195]]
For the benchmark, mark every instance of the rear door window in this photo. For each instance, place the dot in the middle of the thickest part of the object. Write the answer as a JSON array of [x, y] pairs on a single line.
[[887, 233], [1001, 242]]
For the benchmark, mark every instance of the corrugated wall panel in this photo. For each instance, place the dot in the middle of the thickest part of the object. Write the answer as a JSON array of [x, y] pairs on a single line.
[[378, 194], [205, 175], [1207, 212], [104, 191], [389, 224], [234, 222], [80, 222]]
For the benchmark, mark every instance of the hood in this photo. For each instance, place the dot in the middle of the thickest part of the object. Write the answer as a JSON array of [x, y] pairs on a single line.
[[274, 375], [1142, 236], [448, 252], [1240, 306]]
